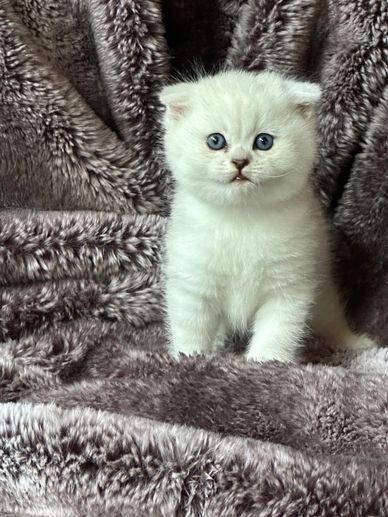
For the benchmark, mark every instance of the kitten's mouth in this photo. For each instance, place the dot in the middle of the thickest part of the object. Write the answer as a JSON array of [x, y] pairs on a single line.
[[240, 178]]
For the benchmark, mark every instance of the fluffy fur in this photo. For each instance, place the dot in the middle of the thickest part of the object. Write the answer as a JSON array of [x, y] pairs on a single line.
[[250, 254]]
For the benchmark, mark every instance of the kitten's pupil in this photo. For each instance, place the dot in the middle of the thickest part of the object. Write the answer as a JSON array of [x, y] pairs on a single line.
[[216, 141], [263, 142]]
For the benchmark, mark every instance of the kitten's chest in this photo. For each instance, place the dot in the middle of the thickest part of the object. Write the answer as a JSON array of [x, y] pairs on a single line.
[[238, 257], [232, 255], [249, 262], [242, 273]]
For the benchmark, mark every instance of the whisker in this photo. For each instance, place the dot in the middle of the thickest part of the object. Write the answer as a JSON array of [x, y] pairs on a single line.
[[279, 175]]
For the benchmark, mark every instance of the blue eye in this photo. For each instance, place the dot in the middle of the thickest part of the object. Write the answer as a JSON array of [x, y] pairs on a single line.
[[216, 141], [263, 142]]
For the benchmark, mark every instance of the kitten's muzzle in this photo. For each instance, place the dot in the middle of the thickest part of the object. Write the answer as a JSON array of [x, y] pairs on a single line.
[[240, 177], [240, 164]]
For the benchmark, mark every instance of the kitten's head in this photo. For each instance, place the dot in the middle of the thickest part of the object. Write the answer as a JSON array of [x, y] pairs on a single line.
[[238, 137]]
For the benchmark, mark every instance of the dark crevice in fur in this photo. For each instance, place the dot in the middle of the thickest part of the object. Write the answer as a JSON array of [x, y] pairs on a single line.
[[317, 43], [343, 178], [198, 34]]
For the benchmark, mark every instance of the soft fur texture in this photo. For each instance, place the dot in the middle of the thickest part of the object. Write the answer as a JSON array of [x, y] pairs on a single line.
[[95, 418], [248, 254]]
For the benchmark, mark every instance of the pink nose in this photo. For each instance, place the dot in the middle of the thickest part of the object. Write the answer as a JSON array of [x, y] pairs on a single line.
[[240, 164]]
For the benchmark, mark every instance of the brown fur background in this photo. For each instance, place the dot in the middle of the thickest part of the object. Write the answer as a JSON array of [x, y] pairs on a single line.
[[95, 418]]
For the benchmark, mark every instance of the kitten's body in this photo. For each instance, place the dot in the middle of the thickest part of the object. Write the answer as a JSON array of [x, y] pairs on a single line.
[[254, 255]]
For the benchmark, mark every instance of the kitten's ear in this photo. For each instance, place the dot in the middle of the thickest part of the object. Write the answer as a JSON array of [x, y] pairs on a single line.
[[176, 99], [305, 96]]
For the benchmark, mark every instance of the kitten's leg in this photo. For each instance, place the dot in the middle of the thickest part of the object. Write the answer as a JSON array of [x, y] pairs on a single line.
[[193, 323], [329, 322], [279, 328], [221, 335]]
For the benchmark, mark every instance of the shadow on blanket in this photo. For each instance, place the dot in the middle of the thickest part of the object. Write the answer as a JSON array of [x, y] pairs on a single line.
[[95, 418]]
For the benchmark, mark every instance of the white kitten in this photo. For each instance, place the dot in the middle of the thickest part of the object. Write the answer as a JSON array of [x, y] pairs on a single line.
[[246, 245]]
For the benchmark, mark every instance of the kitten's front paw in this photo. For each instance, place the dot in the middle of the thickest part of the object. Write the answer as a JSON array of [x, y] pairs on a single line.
[[283, 356]]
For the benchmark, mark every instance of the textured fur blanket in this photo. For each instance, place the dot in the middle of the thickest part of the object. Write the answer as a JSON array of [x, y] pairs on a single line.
[[95, 419]]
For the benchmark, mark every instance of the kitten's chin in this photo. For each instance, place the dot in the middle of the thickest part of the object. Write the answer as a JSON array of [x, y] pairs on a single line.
[[246, 193], [242, 191], [238, 192], [224, 194]]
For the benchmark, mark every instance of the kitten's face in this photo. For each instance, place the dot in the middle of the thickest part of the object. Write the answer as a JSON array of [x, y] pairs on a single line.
[[240, 137]]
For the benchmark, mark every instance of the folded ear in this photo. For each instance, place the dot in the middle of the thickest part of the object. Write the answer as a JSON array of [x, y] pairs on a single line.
[[176, 99], [305, 96]]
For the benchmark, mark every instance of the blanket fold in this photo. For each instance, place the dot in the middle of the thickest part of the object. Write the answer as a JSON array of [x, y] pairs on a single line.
[[95, 418]]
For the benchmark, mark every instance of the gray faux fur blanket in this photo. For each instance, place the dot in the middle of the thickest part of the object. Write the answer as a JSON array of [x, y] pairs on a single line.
[[96, 419]]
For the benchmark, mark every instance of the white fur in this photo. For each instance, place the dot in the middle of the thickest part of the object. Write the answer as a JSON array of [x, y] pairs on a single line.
[[250, 255]]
